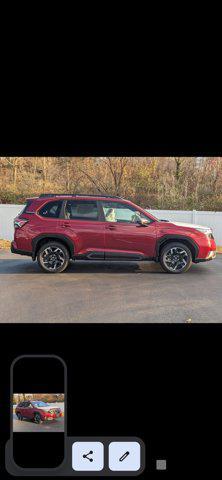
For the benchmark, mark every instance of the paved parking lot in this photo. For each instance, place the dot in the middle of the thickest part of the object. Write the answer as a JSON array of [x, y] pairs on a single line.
[[108, 292], [29, 426]]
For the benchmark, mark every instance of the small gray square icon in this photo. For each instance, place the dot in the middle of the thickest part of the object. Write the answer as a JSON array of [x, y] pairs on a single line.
[[161, 464]]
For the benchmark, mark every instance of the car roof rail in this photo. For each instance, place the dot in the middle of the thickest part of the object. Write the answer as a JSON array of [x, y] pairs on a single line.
[[76, 195]]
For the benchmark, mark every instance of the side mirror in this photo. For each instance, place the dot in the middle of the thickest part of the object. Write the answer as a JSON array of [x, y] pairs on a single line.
[[142, 223]]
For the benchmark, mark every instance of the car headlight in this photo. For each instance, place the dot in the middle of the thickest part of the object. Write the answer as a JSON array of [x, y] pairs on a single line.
[[207, 231]]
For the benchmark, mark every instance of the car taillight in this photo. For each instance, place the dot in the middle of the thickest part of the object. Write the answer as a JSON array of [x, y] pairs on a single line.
[[20, 223]]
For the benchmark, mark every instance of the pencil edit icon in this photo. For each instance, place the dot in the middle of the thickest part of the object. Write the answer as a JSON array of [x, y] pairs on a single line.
[[125, 455]]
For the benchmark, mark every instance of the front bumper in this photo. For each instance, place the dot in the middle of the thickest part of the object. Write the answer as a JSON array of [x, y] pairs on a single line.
[[211, 255], [52, 417]]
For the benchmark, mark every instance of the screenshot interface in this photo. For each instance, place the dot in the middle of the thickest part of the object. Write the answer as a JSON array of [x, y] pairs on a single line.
[[110, 316]]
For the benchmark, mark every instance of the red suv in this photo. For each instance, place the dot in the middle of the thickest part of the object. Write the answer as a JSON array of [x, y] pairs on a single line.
[[37, 411], [58, 228]]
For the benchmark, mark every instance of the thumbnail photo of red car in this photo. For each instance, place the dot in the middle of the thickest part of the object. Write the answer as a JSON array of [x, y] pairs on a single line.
[[37, 411]]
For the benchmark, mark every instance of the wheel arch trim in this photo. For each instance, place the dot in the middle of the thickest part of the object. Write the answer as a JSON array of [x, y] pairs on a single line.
[[177, 238], [52, 236]]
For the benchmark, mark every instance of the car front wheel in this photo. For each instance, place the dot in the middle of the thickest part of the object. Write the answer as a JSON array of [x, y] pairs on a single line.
[[175, 257], [37, 418], [19, 416], [53, 257]]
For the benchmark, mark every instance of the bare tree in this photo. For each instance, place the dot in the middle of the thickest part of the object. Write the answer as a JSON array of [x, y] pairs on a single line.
[[13, 162], [166, 182], [178, 162]]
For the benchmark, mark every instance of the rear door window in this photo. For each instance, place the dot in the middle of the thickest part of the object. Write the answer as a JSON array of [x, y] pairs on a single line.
[[51, 209], [81, 210]]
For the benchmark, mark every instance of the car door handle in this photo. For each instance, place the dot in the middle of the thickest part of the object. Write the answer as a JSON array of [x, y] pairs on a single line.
[[110, 227]]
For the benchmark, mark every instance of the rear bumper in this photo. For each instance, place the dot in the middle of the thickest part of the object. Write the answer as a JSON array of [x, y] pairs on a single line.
[[20, 252]]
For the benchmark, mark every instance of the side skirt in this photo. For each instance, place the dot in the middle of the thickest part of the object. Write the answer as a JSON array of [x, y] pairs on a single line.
[[113, 256]]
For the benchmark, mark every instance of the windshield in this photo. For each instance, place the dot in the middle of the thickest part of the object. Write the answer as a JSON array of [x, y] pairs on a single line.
[[40, 404], [153, 216]]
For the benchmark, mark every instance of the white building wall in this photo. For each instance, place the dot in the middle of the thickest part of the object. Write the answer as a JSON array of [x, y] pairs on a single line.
[[7, 215]]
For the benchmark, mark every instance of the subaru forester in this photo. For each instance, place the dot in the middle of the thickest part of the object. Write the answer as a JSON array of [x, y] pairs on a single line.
[[56, 228]]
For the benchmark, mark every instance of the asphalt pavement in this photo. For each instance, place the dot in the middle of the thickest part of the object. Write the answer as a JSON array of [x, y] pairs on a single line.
[[28, 426], [98, 292]]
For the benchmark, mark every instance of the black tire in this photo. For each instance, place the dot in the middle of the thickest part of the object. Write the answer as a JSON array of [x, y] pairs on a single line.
[[175, 257], [19, 416], [37, 418], [53, 257]]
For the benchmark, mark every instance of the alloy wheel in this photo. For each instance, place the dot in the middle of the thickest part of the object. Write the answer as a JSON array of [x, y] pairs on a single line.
[[37, 418], [175, 259], [52, 258]]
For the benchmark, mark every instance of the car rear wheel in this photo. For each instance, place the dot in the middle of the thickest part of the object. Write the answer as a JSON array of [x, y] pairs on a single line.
[[19, 416], [37, 418], [53, 257], [175, 257]]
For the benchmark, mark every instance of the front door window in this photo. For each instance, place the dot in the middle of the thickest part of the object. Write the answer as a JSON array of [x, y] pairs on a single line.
[[123, 213]]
